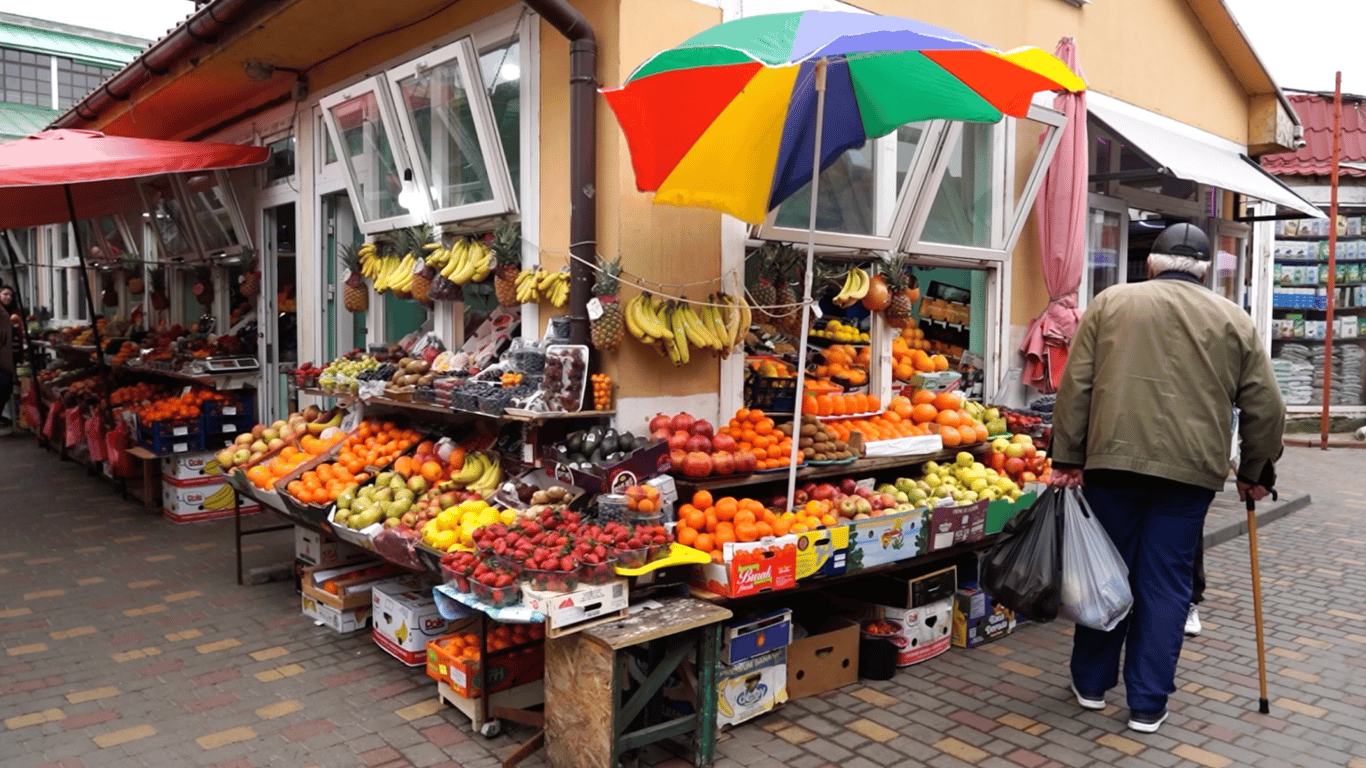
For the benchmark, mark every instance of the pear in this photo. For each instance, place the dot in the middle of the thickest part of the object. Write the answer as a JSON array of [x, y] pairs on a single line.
[[384, 494], [383, 478], [345, 498]]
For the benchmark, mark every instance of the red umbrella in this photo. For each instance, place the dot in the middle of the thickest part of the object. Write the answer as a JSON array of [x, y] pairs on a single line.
[[68, 175], [1061, 213]]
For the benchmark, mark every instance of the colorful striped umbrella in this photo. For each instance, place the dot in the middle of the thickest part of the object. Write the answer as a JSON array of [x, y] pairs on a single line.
[[727, 119]]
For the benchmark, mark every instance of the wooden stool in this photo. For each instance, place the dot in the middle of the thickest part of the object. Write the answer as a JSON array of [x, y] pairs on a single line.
[[150, 463], [586, 672]]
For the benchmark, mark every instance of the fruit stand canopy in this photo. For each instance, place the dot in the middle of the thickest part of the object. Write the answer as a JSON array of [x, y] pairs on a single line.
[[100, 170]]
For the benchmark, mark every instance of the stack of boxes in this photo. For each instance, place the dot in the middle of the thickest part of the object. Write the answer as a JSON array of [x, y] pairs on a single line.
[[193, 489]]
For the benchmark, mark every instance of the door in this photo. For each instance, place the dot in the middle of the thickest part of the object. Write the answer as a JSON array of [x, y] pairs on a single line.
[[278, 328], [345, 330], [1107, 247]]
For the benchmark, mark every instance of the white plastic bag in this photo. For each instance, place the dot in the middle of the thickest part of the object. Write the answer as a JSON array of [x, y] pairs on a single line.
[[1095, 581]]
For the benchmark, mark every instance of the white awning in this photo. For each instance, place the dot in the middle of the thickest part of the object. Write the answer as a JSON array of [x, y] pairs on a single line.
[[1192, 154]]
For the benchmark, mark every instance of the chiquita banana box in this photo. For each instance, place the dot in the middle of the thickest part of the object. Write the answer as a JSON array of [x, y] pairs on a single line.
[[752, 687]]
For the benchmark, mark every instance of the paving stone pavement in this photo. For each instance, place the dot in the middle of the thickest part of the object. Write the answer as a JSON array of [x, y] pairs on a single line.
[[127, 642]]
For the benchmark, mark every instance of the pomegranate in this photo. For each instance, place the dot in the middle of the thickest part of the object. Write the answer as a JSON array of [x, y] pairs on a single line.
[[878, 295], [745, 462], [661, 434], [676, 459], [661, 421], [703, 427], [678, 441], [723, 463], [723, 443], [697, 464], [682, 422], [698, 443]]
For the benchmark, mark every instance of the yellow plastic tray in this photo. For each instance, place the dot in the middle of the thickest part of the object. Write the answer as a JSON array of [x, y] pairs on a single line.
[[678, 555]]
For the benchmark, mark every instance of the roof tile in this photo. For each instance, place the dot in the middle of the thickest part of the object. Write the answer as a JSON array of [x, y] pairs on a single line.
[[1316, 157]]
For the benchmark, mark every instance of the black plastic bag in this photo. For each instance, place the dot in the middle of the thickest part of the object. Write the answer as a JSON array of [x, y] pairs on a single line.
[[1023, 569]]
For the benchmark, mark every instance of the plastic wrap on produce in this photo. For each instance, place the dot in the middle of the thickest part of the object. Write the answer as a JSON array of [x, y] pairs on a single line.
[[455, 605], [903, 446]]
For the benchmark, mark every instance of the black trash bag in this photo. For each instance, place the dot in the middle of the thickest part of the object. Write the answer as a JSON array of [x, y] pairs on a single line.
[[1023, 569]]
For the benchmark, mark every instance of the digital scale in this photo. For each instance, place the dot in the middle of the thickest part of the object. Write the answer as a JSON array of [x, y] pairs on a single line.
[[225, 364]]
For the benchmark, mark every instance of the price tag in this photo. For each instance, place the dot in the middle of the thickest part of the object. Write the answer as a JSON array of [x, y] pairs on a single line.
[[817, 311], [868, 482], [178, 431], [229, 428], [229, 410], [594, 308], [187, 390]]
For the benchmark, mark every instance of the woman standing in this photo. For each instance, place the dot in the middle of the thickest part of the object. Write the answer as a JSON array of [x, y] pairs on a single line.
[[11, 352]]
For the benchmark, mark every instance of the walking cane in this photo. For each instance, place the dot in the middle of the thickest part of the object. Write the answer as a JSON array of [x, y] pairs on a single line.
[[1257, 597]]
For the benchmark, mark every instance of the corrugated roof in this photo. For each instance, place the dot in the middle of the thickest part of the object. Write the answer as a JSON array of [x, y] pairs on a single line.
[[1315, 158], [18, 120], [84, 49]]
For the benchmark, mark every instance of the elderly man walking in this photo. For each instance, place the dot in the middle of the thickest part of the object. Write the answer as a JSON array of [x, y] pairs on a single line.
[[1143, 421]]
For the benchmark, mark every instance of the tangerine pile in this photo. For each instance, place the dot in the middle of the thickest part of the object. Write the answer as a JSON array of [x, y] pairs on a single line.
[[706, 524], [186, 405], [909, 356], [844, 361], [375, 443], [840, 404], [465, 647], [266, 474], [754, 431]]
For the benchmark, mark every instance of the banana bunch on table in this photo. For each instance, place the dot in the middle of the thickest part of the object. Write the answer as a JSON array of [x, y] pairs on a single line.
[[673, 328]]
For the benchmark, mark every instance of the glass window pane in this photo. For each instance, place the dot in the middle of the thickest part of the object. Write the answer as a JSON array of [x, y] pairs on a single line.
[[281, 164], [961, 213], [438, 104], [113, 237], [329, 151], [370, 157], [503, 80], [857, 195], [168, 218], [1102, 250], [210, 211], [1226, 268]]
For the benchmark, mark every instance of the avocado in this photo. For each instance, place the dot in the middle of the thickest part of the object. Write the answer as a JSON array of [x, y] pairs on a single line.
[[574, 442], [609, 440]]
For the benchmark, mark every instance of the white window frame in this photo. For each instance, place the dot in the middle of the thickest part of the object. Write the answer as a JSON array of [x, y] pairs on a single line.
[[378, 86], [1110, 205], [464, 55], [235, 219], [186, 223]]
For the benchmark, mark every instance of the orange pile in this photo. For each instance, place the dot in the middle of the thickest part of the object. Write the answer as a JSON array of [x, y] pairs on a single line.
[[840, 404], [267, 473], [501, 637], [755, 432], [846, 362], [375, 443], [909, 356], [183, 406], [925, 413], [707, 525]]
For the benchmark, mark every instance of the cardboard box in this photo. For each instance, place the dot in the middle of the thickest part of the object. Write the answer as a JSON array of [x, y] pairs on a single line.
[[405, 620], [922, 605], [314, 548], [188, 499], [755, 635], [353, 582], [751, 688], [563, 609], [636, 468], [504, 671], [823, 552], [939, 381], [339, 620], [750, 568], [951, 526], [977, 619], [824, 660], [199, 465], [887, 539]]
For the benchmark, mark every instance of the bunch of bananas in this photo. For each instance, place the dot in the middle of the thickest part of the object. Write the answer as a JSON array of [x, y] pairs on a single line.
[[391, 273], [468, 261], [481, 473], [671, 327], [536, 285], [856, 285]]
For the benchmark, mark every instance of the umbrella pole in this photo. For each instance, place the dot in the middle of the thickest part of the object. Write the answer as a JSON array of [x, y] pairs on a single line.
[[806, 290], [90, 304]]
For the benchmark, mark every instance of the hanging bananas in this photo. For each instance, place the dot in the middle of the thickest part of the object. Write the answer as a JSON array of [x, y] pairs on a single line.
[[536, 285], [856, 285], [674, 328], [468, 261], [369, 260]]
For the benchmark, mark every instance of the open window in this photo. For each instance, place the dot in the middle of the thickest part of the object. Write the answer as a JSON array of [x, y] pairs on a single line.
[[454, 144], [379, 177], [214, 212], [170, 224]]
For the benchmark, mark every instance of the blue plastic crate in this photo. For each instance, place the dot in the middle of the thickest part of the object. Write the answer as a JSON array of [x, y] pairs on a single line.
[[219, 431], [243, 409], [167, 444]]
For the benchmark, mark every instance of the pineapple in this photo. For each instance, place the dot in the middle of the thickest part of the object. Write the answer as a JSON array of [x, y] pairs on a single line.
[[789, 318], [898, 311], [414, 240], [249, 282], [160, 300], [607, 329], [132, 268], [763, 293], [355, 295], [507, 254]]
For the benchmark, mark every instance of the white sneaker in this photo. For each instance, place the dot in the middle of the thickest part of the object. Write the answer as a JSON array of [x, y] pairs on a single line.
[[1085, 702], [1193, 622]]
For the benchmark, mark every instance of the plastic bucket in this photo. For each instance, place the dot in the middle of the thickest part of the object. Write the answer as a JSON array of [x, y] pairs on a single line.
[[877, 655]]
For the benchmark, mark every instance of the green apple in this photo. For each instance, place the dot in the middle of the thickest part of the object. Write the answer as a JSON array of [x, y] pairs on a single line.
[[963, 459]]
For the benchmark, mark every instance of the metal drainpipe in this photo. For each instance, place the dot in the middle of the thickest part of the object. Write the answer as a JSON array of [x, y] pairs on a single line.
[[583, 155], [200, 30]]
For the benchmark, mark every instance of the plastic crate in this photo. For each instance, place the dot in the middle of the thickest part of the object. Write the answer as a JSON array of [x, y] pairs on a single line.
[[243, 409], [166, 443], [771, 394]]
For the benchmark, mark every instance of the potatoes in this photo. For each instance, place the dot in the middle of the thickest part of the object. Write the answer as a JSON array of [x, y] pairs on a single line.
[[417, 366]]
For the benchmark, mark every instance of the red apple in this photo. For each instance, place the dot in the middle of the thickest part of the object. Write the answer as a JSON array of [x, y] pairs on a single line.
[[864, 491], [1014, 466], [703, 427], [847, 485], [823, 492], [682, 422]]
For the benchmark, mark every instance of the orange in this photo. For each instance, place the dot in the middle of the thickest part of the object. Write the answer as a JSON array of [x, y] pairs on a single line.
[[726, 508], [924, 412], [746, 532], [724, 532], [950, 436], [702, 500], [948, 419], [809, 404], [694, 518], [744, 516], [968, 433], [823, 405], [711, 521], [686, 536], [941, 363], [922, 396], [646, 505], [947, 401], [704, 542], [761, 529], [432, 471], [982, 432]]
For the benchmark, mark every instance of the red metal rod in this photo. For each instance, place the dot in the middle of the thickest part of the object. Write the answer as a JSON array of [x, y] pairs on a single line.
[[1332, 265]]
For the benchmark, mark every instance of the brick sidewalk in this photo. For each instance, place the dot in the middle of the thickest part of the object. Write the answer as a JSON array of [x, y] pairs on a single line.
[[127, 642]]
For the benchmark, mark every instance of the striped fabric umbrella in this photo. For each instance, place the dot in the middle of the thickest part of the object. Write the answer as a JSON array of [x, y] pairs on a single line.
[[727, 119]]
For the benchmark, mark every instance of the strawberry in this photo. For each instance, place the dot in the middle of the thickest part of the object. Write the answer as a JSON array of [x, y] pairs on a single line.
[[566, 563], [503, 581]]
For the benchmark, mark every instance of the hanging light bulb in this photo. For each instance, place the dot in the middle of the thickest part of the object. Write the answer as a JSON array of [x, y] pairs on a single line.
[[408, 197]]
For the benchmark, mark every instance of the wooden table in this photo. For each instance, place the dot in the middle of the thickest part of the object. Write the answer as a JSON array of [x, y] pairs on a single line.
[[588, 725]]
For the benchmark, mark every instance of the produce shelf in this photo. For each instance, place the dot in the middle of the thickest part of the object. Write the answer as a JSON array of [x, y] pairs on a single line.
[[830, 470], [512, 414]]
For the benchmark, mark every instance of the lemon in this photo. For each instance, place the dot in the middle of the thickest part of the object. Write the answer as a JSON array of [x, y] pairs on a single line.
[[486, 517], [507, 516], [447, 519], [444, 540]]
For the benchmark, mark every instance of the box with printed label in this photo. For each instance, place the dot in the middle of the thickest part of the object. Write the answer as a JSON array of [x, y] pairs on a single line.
[[340, 620], [748, 568], [504, 671], [751, 636], [921, 605], [886, 539], [314, 548], [977, 619], [562, 609], [823, 552], [349, 586], [191, 466], [405, 620], [950, 526], [751, 688], [194, 500]]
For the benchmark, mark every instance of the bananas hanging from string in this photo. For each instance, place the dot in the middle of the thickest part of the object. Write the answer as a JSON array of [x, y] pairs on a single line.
[[536, 285], [370, 260], [673, 328], [856, 285], [395, 274], [468, 261]]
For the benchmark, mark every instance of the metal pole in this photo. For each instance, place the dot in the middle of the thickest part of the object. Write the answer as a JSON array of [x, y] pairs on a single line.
[[806, 290], [90, 304], [1332, 268]]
